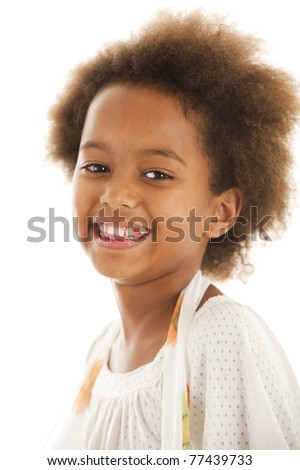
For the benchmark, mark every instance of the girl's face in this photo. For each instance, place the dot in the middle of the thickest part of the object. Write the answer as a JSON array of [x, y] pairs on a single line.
[[140, 186]]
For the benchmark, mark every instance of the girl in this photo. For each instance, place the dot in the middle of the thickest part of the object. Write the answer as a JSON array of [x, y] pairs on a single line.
[[177, 144]]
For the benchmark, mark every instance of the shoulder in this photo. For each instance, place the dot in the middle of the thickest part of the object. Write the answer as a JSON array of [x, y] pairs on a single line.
[[223, 325], [221, 312], [240, 379], [227, 335]]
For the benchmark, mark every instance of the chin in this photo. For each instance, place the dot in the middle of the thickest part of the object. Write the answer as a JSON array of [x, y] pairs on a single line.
[[117, 272]]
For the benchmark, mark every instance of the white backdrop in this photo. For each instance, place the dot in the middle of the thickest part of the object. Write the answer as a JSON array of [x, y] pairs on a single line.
[[53, 303]]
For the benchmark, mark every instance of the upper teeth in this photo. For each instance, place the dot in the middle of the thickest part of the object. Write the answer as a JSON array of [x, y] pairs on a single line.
[[115, 230]]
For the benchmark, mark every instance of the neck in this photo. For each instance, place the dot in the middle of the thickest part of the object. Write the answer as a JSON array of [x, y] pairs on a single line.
[[146, 309]]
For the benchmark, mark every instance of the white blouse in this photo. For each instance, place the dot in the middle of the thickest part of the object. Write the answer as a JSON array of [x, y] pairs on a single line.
[[243, 392]]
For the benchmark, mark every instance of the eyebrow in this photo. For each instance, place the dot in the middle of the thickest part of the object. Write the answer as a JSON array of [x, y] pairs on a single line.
[[164, 153], [91, 144], [148, 152]]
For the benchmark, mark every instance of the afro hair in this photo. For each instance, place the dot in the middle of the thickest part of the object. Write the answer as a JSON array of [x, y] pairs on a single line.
[[246, 112]]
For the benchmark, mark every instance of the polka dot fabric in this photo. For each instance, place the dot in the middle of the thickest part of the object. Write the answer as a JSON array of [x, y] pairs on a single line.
[[243, 393]]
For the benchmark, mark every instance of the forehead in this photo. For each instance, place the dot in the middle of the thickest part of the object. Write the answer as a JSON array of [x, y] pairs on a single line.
[[136, 108], [140, 95]]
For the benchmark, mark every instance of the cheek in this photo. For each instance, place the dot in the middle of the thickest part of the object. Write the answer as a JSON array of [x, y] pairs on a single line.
[[184, 218], [178, 205], [81, 208], [77, 199], [169, 216]]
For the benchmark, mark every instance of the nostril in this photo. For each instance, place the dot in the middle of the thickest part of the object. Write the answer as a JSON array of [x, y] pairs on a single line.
[[118, 196]]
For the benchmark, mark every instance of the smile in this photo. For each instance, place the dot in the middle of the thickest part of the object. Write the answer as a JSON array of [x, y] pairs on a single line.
[[119, 235], [120, 231]]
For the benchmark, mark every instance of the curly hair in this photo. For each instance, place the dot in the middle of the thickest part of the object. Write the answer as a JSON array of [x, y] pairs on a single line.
[[247, 108]]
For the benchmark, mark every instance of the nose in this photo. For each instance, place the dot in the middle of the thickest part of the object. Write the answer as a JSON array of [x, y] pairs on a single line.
[[119, 192]]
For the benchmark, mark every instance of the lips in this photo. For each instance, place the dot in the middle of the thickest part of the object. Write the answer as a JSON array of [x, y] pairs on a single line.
[[121, 232]]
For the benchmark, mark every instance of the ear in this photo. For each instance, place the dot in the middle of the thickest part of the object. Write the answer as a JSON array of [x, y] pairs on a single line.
[[228, 206]]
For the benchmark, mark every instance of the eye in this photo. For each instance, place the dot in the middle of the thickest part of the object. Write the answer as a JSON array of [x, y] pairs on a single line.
[[95, 168], [157, 175]]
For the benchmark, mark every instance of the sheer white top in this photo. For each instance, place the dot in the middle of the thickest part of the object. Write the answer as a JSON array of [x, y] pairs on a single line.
[[243, 392]]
